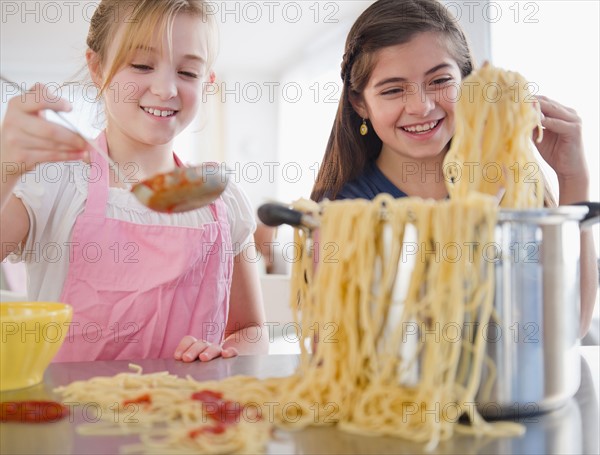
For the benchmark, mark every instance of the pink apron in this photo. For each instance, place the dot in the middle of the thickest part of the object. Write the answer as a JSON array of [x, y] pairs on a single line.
[[137, 290]]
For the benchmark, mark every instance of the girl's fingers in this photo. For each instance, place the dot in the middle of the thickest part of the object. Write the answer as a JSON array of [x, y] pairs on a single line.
[[53, 134], [31, 142], [559, 126], [24, 120], [551, 108], [190, 349], [195, 351], [34, 150], [46, 156], [183, 346], [39, 98], [211, 352], [30, 139], [229, 352]]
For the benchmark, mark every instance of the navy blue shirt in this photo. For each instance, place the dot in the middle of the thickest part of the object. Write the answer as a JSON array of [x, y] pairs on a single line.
[[369, 184]]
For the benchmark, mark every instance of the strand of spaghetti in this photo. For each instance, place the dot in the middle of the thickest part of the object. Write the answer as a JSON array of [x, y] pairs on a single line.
[[493, 130], [388, 366], [365, 380]]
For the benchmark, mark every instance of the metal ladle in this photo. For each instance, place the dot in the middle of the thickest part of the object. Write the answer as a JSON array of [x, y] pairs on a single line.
[[180, 190]]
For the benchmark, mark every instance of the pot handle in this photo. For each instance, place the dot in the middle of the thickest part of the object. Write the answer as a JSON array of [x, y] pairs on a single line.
[[593, 215], [274, 214]]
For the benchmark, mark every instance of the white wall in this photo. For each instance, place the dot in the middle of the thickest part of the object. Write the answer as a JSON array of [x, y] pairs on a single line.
[[306, 118], [250, 107], [556, 46], [285, 137], [285, 132]]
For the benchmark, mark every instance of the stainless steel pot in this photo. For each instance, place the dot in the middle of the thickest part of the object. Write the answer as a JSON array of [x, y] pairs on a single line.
[[533, 338]]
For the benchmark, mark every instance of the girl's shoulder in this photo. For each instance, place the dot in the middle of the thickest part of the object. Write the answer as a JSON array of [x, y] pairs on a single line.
[[369, 184], [239, 208]]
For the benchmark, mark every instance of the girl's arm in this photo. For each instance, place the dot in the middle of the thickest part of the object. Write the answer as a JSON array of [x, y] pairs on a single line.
[[562, 148], [244, 333], [26, 138], [246, 323]]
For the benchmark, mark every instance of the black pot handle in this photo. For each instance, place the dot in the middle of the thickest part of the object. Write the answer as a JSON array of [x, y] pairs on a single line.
[[274, 214], [593, 215]]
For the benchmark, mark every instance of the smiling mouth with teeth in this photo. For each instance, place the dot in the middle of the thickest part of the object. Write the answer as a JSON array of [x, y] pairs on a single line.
[[158, 112], [423, 128]]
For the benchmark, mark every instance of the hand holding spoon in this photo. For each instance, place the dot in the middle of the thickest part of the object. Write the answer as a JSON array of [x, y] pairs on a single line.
[[177, 191]]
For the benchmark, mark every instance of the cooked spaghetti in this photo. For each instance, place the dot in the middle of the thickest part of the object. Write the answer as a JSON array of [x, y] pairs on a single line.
[[397, 370], [371, 372], [384, 359], [491, 149], [176, 415]]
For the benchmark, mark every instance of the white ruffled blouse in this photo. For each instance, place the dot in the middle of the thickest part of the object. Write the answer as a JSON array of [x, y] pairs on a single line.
[[54, 194]]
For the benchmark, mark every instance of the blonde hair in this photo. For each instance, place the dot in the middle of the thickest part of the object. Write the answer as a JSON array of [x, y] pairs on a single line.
[[142, 21]]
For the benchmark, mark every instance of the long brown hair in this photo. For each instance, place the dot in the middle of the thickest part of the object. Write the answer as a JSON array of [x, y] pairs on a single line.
[[385, 23]]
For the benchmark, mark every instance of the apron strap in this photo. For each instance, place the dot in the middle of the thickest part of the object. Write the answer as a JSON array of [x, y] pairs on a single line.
[[95, 205], [219, 210], [97, 198]]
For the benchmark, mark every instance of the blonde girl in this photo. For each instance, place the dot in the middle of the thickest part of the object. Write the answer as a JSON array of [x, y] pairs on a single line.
[[143, 284]]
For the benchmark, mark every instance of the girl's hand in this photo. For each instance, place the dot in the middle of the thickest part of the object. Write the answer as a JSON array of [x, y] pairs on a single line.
[[190, 349], [562, 145], [28, 138]]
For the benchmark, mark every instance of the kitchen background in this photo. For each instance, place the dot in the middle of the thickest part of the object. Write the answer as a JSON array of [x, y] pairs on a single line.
[[278, 78]]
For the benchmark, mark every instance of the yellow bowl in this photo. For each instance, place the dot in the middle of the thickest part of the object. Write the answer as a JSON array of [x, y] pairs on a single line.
[[31, 333]]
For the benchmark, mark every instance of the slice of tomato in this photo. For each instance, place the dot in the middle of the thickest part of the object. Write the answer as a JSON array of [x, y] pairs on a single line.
[[207, 396], [139, 400], [226, 412], [217, 428]]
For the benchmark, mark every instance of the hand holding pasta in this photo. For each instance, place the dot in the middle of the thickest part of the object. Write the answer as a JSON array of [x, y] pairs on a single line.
[[374, 373], [494, 119], [562, 145]]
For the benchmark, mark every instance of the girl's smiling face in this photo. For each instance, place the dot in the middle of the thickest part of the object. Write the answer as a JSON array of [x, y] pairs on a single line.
[[157, 94], [410, 96]]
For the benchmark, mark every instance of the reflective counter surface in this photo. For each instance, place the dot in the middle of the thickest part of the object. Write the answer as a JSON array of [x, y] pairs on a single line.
[[572, 428]]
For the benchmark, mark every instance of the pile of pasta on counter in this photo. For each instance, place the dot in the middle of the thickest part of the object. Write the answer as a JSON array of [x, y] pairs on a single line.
[[372, 374]]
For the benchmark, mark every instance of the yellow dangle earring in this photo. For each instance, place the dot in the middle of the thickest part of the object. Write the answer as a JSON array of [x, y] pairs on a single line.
[[364, 129]]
